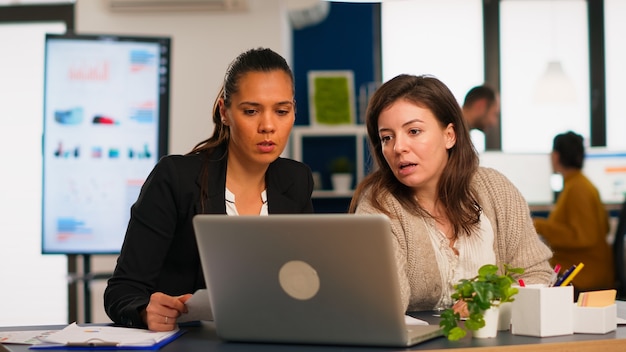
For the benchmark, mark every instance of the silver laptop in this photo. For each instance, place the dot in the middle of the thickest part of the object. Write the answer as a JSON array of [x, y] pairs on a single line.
[[307, 278]]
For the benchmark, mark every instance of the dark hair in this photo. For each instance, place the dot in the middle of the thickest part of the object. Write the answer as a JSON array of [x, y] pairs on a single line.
[[253, 60], [478, 93], [571, 150], [454, 190]]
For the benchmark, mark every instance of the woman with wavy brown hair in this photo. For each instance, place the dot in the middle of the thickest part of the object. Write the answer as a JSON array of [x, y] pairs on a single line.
[[448, 215]]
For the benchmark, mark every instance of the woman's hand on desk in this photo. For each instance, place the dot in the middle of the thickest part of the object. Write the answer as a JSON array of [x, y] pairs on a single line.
[[163, 310]]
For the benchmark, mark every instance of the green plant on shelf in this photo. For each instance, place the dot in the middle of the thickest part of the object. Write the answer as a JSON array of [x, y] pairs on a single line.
[[341, 165], [481, 292]]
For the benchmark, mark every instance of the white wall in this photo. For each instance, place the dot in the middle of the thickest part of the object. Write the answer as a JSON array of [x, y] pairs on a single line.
[[34, 287], [203, 43]]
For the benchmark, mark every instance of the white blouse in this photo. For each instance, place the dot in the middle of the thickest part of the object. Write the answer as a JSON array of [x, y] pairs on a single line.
[[231, 207]]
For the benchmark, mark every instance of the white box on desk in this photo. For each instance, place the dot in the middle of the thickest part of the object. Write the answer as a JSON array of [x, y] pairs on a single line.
[[595, 320], [543, 311]]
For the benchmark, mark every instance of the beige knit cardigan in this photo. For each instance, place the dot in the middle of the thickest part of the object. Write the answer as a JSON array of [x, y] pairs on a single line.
[[516, 242]]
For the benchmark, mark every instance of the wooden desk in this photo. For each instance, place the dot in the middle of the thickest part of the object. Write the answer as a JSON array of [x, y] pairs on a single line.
[[204, 338]]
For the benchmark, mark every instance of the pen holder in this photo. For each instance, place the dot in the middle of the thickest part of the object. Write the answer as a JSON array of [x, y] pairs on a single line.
[[543, 311], [595, 320]]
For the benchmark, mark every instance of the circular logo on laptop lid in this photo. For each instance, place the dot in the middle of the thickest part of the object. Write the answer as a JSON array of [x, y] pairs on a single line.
[[299, 280]]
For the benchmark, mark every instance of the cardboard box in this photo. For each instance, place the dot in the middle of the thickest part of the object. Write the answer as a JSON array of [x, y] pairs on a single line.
[[543, 311], [595, 320]]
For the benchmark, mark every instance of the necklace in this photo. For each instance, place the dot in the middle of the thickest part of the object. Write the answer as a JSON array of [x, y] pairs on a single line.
[[443, 231]]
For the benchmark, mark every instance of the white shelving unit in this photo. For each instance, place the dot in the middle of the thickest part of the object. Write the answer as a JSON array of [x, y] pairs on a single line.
[[359, 132]]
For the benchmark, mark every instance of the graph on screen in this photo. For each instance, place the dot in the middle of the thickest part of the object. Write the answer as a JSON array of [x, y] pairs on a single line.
[[106, 112]]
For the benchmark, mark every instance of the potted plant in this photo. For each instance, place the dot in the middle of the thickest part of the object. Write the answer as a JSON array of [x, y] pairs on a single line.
[[486, 290], [341, 173]]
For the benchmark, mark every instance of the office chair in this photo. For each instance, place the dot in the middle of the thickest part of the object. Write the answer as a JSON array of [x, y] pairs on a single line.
[[618, 254]]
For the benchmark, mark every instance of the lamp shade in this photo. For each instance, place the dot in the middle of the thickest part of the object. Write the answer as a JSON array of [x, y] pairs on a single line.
[[555, 86]]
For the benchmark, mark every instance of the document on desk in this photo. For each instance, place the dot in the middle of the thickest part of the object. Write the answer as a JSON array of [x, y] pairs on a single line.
[[198, 308], [106, 337], [409, 320], [26, 337]]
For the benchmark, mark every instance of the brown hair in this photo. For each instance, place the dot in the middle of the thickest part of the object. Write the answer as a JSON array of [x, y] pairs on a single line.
[[571, 149], [454, 188], [253, 60], [480, 92]]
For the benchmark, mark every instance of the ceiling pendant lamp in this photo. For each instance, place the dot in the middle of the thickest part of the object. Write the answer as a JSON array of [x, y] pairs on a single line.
[[555, 86]]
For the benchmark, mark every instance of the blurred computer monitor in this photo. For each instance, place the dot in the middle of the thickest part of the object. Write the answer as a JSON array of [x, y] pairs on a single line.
[[531, 173], [607, 170]]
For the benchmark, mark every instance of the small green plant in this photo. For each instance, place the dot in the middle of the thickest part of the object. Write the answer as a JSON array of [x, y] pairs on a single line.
[[481, 292], [341, 165]]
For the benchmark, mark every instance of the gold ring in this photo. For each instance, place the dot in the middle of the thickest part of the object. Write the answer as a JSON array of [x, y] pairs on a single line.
[[166, 319]]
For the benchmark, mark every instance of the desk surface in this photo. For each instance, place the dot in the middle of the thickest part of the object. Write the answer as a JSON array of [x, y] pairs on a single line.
[[203, 338]]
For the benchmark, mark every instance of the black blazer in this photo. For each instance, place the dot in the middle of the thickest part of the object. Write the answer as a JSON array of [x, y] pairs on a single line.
[[159, 253]]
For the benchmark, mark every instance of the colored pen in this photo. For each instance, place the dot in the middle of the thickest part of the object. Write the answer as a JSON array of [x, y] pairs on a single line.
[[555, 275], [571, 276], [560, 280]]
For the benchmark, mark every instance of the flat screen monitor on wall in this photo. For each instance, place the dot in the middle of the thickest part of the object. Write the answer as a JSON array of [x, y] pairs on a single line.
[[106, 113]]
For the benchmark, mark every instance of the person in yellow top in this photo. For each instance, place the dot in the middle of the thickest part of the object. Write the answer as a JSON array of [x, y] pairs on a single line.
[[577, 227]]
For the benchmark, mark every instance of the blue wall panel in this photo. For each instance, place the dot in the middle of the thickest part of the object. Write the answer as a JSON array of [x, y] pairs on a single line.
[[345, 40]]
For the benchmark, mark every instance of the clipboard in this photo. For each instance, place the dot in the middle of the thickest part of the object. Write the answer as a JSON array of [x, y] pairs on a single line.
[[94, 337]]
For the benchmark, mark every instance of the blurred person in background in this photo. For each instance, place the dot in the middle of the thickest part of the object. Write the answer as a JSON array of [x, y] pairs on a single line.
[[577, 227]]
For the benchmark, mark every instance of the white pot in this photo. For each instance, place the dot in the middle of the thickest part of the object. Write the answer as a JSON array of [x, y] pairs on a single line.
[[504, 321], [341, 182], [490, 329]]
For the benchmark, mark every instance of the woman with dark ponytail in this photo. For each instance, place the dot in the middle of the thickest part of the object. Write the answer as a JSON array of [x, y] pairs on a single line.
[[237, 171]]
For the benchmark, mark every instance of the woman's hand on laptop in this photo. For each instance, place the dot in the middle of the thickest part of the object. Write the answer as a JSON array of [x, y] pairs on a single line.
[[163, 310]]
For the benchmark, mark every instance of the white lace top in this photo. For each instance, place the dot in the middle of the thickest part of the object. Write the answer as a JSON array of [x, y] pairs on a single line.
[[474, 252]]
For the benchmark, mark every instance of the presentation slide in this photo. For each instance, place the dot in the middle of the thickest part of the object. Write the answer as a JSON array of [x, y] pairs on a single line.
[[105, 119]]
